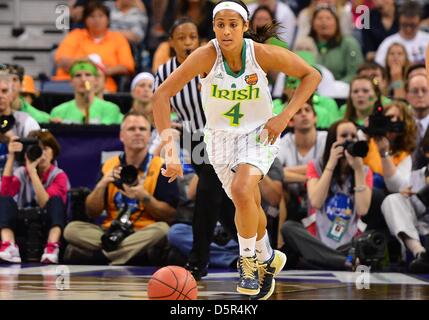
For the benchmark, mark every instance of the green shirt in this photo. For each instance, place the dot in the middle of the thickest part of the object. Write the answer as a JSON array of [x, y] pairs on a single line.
[[36, 114], [384, 101], [342, 60], [100, 112], [326, 110]]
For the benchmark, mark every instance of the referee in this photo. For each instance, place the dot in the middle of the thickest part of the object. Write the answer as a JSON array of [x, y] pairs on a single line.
[[212, 203]]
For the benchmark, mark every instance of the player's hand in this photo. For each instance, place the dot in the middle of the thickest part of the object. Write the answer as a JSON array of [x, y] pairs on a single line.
[[272, 130], [172, 171]]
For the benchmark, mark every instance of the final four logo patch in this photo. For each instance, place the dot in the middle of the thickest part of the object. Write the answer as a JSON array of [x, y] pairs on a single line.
[[251, 79]]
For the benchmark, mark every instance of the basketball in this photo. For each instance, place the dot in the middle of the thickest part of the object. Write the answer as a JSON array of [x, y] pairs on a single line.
[[172, 283]]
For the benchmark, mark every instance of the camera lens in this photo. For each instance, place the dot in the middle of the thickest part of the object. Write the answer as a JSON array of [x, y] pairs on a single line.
[[357, 149], [34, 152], [129, 175]]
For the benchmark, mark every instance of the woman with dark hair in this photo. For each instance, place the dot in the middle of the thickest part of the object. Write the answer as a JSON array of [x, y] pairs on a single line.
[[397, 64], [241, 130], [389, 156], [342, 8], [211, 203], [39, 183], [340, 54], [339, 192], [95, 38], [363, 95]]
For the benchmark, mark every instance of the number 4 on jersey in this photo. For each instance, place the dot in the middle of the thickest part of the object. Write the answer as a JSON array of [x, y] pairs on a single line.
[[234, 115]]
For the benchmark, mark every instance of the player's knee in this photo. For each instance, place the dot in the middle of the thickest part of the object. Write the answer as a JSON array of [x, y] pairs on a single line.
[[241, 194]]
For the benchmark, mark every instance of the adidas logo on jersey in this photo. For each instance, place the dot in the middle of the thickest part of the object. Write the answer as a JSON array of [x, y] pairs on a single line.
[[219, 76]]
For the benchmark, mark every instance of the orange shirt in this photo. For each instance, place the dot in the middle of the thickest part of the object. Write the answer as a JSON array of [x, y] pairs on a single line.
[[113, 49], [373, 159]]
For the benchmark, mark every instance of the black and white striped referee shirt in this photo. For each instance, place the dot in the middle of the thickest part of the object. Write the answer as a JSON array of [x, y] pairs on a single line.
[[187, 102]]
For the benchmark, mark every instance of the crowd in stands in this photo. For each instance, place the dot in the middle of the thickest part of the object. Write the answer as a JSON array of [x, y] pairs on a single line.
[[319, 196]]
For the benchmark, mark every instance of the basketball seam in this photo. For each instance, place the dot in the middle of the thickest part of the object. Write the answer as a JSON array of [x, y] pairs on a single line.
[[177, 283], [166, 284]]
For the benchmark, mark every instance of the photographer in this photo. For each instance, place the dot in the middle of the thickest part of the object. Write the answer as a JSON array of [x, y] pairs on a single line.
[[138, 212], [39, 183], [339, 191], [390, 148], [13, 123], [407, 216]]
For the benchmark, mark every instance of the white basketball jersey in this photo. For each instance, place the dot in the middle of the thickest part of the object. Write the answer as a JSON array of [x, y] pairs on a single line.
[[236, 102]]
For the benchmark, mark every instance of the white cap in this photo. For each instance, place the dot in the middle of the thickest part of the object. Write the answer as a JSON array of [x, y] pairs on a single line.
[[141, 76]]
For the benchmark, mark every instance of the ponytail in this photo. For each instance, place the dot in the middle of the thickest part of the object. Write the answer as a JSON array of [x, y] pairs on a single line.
[[262, 34]]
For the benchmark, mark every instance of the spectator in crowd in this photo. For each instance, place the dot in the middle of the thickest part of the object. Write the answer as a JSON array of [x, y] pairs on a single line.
[[417, 94], [341, 7], [21, 123], [384, 20], [409, 35], [142, 88], [85, 108], [396, 67], [363, 95], [200, 12], [340, 54], [328, 87], [129, 17], [283, 15], [414, 69], [96, 37], [339, 193], [18, 102], [326, 108], [377, 73], [407, 216], [389, 156], [150, 204], [77, 8], [296, 149], [38, 183]]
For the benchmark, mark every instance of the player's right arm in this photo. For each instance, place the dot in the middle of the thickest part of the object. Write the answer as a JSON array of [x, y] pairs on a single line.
[[199, 62]]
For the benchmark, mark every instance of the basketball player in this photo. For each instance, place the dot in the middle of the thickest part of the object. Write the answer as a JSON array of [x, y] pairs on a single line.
[[241, 131]]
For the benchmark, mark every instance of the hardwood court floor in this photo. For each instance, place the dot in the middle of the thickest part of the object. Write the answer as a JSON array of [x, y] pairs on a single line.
[[35, 282]]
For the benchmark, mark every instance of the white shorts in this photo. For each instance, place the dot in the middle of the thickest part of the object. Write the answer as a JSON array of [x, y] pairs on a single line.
[[226, 150]]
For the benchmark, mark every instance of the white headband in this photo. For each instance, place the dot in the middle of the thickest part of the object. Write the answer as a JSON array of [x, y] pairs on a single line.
[[231, 6], [141, 76]]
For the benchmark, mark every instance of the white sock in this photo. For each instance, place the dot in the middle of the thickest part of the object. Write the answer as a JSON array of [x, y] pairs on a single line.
[[247, 246], [263, 248]]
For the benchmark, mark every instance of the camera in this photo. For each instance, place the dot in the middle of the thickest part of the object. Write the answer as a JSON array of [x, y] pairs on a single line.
[[356, 149], [120, 228], [31, 148], [370, 248], [379, 124], [6, 123], [129, 176]]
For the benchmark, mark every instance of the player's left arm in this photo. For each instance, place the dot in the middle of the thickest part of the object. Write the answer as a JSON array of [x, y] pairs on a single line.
[[274, 58], [427, 62]]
